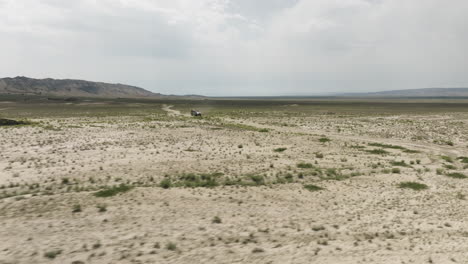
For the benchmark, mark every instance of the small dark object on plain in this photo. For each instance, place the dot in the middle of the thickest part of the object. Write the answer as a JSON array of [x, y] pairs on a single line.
[[11, 122], [195, 113]]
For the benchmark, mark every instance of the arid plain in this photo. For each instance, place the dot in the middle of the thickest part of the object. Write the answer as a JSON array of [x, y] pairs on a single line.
[[252, 181]]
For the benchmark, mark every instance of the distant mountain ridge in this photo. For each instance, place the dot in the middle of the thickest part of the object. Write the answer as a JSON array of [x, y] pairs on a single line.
[[69, 87], [422, 92]]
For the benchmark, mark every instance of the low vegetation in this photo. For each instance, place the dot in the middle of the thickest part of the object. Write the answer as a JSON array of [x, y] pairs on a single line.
[[76, 208], [101, 208], [456, 175], [413, 185], [279, 149], [313, 188], [171, 246], [62, 162], [447, 159], [450, 167], [377, 151], [53, 253], [324, 140], [210, 180], [11, 122], [165, 184], [244, 127], [399, 163], [114, 190], [192, 180], [303, 165], [389, 146], [386, 146]]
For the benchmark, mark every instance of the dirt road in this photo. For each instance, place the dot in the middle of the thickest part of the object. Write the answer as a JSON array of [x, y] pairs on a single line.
[[172, 112]]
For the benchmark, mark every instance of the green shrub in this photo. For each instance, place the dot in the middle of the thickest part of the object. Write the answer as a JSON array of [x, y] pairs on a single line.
[[324, 139], [114, 190], [396, 170], [216, 220], [171, 246], [97, 245], [332, 172], [199, 180], [318, 228], [192, 180], [447, 158], [76, 208], [413, 185], [11, 122], [303, 165], [377, 151], [289, 177], [258, 180], [463, 159], [52, 254], [313, 188], [258, 250], [385, 146], [450, 167], [279, 149], [399, 163], [102, 208], [165, 184], [393, 147], [457, 175], [410, 151]]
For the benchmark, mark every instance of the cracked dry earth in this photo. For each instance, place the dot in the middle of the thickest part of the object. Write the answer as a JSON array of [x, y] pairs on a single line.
[[49, 174]]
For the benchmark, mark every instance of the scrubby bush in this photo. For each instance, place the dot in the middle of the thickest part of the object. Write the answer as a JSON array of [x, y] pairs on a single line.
[[52, 254], [413, 185], [114, 190], [76, 208], [165, 184], [216, 220], [457, 175], [171, 246], [303, 165], [313, 188], [279, 149], [377, 151]]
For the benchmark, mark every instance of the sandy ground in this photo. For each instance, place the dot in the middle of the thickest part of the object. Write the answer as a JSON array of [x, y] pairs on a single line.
[[360, 216]]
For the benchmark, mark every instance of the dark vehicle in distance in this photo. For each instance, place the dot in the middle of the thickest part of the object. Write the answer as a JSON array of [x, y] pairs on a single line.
[[195, 113]]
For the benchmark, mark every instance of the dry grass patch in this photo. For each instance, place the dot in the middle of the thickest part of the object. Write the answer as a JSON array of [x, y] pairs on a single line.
[[413, 185]]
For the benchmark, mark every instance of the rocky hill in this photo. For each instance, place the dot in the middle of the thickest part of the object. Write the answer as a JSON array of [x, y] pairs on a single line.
[[67, 87]]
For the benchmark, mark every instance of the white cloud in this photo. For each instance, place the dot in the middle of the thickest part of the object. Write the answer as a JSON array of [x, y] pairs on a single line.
[[239, 46]]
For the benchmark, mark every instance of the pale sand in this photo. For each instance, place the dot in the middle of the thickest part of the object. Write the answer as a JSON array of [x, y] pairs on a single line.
[[363, 219]]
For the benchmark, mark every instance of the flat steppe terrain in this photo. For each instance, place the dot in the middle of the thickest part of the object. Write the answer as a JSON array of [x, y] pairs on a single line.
[[252, 181]]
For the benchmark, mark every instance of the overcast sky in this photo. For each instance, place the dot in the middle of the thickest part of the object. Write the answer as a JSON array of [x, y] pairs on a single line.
[[239, 47]]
